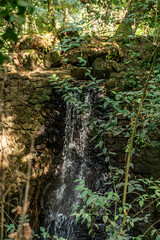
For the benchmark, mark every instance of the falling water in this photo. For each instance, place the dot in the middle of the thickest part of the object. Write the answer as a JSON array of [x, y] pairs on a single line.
[[75, 158]]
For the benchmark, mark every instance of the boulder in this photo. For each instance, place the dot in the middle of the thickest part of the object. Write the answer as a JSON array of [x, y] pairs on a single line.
[[31, 59], [73, 57], [101, 69], [114, 65], [40, 43], [93, 54], [79, 73], [111, 84], [52, 59]]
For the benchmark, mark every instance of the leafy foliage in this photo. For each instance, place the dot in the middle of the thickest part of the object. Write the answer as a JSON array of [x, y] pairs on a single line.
[[107, 208], [12, 16], [111, 106]]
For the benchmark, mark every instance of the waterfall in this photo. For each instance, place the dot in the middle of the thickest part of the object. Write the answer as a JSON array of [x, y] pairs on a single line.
[[64, 197]]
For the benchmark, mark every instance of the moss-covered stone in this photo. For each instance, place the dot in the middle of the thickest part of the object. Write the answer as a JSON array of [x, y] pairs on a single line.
[[73, 57], [31, 59], [52, 59], [112, 83], [100, 69], [79, 73]]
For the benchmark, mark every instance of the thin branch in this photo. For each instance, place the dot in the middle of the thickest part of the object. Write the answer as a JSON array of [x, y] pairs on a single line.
[[26, 189], [2, 149]]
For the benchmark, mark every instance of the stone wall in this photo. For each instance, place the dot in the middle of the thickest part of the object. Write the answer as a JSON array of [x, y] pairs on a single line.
[[31, 111]]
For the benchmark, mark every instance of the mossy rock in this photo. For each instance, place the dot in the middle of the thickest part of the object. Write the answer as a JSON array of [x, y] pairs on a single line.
[[31, 59], [53, 59], [37, 42], [112, 83], [79, 73], [115, 67], [73, 57], [100, 69], [148, 163]]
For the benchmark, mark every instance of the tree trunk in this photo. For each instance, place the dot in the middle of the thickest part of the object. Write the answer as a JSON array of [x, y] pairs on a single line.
[[130, 22], [64, 18], [51, 13]]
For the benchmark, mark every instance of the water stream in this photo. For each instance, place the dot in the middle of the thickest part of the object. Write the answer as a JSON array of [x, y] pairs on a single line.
[[75, 158], [79, 161]]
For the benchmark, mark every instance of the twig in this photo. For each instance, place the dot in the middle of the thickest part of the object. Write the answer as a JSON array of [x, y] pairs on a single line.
[[151, 226], [26, 190], [2, 148]]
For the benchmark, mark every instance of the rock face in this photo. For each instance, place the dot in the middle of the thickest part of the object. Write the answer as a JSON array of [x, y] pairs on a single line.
[[149, 162], [78, 162]]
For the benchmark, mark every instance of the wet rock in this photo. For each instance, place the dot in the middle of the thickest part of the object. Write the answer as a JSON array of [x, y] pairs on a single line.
[[148, 163]]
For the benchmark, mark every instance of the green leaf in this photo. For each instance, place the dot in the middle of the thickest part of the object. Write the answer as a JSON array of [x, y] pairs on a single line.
[[2, 58], [42, 229], [107, 159], [19, 18], [89, 201], [110, 195], [141, 203], [22, 3], [158, 237], [78, 180], [75, 207], [132, 224], [104, 150], [105, 219], [153, 232], [105, 104], [120, 209], [130, 188], [84, 194], [100, 144], [153, 187], [10, 34], [138, 238]]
